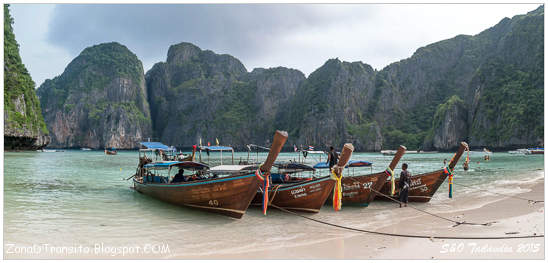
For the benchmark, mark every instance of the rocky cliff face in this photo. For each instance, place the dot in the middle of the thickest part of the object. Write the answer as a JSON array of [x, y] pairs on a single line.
[[199, 94], [332, 105], [24, 127], [450, 125], [497, 73], [486, 89], [99, 101]]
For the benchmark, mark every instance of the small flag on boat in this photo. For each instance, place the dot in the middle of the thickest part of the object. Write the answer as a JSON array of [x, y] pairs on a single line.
[[217, 141], [310, 148], [208, 144], [295, 148]]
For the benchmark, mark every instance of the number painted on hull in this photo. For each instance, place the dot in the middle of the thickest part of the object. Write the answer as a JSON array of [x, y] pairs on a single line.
[[213, 203]]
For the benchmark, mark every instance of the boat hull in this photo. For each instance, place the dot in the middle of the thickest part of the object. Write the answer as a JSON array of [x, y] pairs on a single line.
[[356, 190], [305, 196], [229, 196], [422, 188]]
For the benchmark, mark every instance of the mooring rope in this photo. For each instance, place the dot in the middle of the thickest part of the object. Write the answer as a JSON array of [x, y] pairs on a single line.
[[510, 196], [398, 235], [457, 223], [274, 195]]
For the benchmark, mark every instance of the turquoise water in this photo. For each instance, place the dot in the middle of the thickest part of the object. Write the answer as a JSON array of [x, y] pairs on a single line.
[[81, 198]]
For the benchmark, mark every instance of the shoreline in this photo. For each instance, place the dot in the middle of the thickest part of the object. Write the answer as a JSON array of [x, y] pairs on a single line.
[[372, 246], [312, 240]]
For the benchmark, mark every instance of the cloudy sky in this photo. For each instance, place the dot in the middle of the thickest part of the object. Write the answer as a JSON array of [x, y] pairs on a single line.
[[266, 35]]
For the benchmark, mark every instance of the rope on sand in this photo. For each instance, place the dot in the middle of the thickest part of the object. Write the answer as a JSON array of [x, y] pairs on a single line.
[[399, 235], [531, 201], [457, 223]]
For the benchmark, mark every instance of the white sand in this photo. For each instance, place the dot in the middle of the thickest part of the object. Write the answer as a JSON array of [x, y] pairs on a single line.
[[509, 215]]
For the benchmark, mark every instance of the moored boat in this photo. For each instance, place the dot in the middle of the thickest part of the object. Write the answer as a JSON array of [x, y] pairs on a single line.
[[357, 190], [228, 195], [300, 194], [304, 195], [424, 186]]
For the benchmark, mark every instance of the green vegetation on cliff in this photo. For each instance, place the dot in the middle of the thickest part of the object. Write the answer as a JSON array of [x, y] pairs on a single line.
[[486, 89], [21, 106], [102, 100]]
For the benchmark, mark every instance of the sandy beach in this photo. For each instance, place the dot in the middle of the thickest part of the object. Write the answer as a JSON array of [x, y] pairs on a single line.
[[509, 217], [100, 222]]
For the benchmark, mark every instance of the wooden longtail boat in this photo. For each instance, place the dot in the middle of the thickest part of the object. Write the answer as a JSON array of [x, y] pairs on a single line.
[[304, 195], [424, 186], [356, 190], [110, 151], [230, 195]]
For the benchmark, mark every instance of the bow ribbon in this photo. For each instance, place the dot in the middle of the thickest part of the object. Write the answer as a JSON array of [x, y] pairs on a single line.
[[449, 173], [337, 191], [265, 179]]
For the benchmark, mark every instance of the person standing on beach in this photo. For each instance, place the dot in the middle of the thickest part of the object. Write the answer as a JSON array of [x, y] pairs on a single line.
[[403, 184], [332, 158]]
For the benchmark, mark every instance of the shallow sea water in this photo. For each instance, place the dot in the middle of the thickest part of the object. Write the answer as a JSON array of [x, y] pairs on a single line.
[[75, 198]]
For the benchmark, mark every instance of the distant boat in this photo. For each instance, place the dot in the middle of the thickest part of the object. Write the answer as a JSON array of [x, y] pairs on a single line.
[[536, 150], [49, 151], [85, 149], [519, 151], [111, 151]]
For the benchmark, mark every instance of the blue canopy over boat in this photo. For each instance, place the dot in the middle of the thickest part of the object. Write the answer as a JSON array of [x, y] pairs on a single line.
[[160, 164], [155, 145], [217, 148], [185, 165], [352, 163], [358, 164], [321, 165]]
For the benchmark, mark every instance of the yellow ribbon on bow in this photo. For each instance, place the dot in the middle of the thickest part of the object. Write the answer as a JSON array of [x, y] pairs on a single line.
[[337, 191]]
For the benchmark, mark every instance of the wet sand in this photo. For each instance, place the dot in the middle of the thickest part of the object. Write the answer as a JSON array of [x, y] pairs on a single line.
[[508, 216]]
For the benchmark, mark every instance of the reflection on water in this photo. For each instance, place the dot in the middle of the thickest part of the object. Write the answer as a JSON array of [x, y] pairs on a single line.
[[81, 197]]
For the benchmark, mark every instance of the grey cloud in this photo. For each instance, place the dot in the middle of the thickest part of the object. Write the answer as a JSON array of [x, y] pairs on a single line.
[[245, 31]]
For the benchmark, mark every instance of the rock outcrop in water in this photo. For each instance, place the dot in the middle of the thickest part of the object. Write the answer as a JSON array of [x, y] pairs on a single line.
[[99, 101], [24, 126]]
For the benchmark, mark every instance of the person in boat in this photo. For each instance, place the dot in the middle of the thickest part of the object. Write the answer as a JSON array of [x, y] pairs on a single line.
[[179, 177], [332, 158], [444, 163], [403, 184]]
